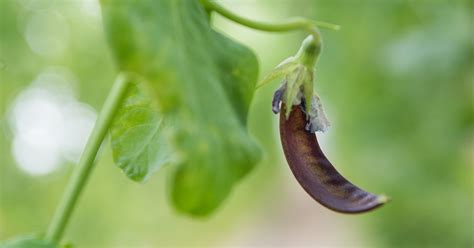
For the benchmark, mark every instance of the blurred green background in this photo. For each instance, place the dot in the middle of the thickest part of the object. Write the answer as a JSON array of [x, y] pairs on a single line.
[[396, 81]]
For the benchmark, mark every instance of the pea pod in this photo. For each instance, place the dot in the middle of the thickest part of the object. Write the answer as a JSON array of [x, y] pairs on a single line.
[[315, 173]]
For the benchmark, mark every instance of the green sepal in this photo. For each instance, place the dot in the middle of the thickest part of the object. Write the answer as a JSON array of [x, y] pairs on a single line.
[[279, 71]]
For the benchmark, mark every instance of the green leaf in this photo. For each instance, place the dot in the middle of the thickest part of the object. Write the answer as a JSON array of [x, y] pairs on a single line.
[[29, 241], [203, 84], [138, 144]]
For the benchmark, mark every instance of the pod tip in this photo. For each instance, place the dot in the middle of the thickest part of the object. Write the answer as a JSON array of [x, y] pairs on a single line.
[[383, 199]]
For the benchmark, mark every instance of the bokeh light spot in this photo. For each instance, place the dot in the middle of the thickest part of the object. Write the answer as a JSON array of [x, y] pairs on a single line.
[[50, 127], [47, 34], [91, 8]]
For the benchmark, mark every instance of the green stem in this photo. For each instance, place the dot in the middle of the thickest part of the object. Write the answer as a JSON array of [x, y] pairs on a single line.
[[290, 24], [83, 170]]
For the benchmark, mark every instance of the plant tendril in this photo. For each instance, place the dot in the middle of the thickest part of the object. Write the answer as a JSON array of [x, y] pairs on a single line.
[[291, 24]]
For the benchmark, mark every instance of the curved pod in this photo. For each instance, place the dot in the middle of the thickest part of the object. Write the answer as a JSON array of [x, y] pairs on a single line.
[[315, 173]]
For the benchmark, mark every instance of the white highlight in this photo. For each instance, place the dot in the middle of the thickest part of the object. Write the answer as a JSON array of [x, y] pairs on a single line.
[[91, 7], [50, 127], [47, 33]]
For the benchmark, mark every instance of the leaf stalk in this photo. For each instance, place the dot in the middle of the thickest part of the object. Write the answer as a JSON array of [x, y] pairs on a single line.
[[83, 170]]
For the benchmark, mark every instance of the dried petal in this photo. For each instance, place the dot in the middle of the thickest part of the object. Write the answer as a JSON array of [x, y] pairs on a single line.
[[317, 118]]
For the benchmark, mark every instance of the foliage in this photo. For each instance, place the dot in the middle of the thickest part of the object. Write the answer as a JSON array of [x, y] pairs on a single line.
[[203, 84], [137, 135], [396, 82]]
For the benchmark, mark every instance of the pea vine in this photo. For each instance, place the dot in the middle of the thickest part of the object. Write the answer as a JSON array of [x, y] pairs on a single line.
[[155, 114]]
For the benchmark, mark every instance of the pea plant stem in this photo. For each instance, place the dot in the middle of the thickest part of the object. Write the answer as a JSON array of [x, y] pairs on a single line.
[[288, 25], [82, 172]]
